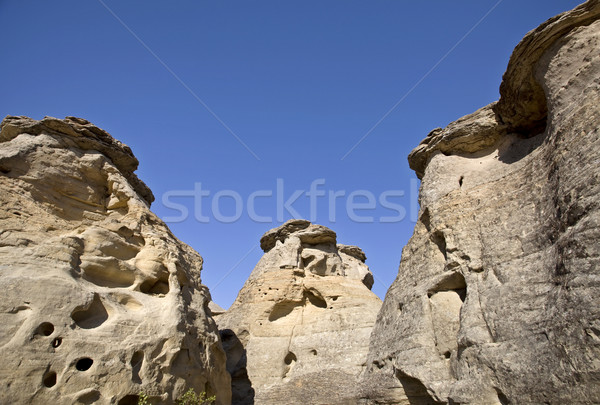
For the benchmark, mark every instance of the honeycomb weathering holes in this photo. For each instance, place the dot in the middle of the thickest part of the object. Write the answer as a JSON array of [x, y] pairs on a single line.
[[84, 364], [92, 316], [49, 379], [45, 329]]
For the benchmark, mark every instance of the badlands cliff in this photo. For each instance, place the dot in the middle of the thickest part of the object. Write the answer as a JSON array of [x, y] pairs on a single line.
[[496, 298], [298, 331], [99, 300]]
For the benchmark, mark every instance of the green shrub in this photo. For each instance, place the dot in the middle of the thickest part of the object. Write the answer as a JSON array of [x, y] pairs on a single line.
[[142, 399], [189, 398]]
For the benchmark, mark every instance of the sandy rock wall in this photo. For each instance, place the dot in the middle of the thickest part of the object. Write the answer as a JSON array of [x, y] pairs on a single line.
[[495, 301], [100, 301]]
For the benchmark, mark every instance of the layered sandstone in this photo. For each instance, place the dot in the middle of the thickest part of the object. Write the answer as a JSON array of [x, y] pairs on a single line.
[[100, 301], [299, 329], [496, 298]]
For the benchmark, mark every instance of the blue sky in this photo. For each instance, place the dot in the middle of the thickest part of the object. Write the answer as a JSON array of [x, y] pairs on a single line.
[[300, 83]]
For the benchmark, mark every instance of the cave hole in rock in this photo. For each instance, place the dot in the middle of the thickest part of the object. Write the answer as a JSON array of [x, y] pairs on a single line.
[[439, 239], [315, 299], [92, 316], [290, 358], [45, 329], [451, 282], [289, 361], [306, 261], [56, 342], [414, 390], [136, 365], [49, 379], [313, 352], [129, 400], [460, 181], [501, 397], [84, 364], [131, 236], [155, 287]]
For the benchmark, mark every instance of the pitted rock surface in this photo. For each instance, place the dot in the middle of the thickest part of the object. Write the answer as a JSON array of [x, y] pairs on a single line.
[[100, 301]]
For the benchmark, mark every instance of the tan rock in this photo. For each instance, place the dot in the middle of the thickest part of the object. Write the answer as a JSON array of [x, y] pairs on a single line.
[[100, 301], [496, 296], [299, 329]]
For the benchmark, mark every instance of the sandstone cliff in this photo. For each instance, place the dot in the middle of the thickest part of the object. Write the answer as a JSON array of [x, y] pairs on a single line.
[[100, 301], [496, 298], [299, 329]]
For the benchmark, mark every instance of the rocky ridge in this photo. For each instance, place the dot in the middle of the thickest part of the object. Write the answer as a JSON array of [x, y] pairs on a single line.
[[100, 301]]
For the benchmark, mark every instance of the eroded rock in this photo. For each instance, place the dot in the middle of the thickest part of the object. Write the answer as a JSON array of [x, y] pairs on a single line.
[[100, 301], [299, 329], [496, 296]]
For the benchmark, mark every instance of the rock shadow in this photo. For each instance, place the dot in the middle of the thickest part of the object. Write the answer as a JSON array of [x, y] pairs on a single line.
[[519, 147], [242, 392], [414, 390]]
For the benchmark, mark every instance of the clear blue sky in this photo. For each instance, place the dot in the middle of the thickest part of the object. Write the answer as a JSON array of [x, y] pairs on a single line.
[[299, 82]]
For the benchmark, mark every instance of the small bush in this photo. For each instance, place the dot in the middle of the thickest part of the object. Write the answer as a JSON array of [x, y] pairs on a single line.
[[191, 398], [142, 399]]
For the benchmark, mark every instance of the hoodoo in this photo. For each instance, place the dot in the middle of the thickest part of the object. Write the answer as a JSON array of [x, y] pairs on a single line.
[[299, 329]]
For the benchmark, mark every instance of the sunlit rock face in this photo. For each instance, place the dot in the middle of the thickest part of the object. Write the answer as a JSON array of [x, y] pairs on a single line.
[[299, 329], [496, 298], [100, 301]]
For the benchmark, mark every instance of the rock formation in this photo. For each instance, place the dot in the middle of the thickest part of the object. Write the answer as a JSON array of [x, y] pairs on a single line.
[[299, 329], [496, 298], [495, 301], [100, 301]]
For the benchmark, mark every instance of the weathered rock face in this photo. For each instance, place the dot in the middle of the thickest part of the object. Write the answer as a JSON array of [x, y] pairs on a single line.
[[299, 329], [100, 301], [496, 299]]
